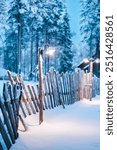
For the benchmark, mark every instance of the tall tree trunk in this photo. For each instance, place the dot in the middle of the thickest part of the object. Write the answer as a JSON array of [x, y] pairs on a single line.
[[31, 55], [91, 45], [19, 40], [45, 49], [37, 46]]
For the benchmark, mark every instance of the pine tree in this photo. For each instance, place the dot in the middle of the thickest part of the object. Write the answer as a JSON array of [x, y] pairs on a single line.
[[3, 8], [90, 21], [12, 57], [66, 54], [34, 24]]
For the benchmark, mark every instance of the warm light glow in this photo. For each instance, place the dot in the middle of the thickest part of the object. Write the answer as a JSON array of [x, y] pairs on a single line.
[[86, 60], [50, 51], [97, 60]]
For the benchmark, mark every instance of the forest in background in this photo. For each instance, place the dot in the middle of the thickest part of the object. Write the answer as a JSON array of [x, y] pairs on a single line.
[[27, 25]]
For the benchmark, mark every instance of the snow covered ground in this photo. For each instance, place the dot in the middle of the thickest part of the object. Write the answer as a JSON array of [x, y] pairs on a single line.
[[74, 128]]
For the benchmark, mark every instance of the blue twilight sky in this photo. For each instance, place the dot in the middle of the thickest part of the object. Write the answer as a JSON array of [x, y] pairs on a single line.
[[73, 7]]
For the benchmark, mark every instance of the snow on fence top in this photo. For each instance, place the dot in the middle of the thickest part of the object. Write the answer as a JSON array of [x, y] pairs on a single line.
[[4, 75]]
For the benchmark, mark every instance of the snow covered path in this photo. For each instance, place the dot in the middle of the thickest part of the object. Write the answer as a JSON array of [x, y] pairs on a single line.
[[73, 128]]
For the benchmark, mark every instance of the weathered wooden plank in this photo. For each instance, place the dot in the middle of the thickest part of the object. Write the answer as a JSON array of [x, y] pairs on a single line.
[[94, 86], [54, 87], [33, 98], [85, 84], [73, 86], [17, 103], [4, 135], [1, 147], [17, 97], [78, 85], [39, 96], [9, 109], [36, 97], [10, 90], [67, 87], [23, 123], [10, 78], [88, 85], [75, 80], [22, 108], [81, 85], [12, 118], [47, 94], [26, 94], [26, 104], [61, 87], [64, 88], [60, 100], [12, 83], [51, 82], [7, 122], [22, 100], [70, 88], [50, 93]]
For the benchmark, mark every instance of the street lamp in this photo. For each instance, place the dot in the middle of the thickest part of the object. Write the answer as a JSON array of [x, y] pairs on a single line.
[[86, 60], [49, 52], [91, 61]]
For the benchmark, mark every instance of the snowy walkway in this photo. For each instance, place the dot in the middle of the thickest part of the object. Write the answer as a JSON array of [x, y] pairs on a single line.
[[73, 128]]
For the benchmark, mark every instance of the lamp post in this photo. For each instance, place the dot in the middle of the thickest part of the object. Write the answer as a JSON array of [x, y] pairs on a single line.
[[91, 76], [41, 94], [49, 52], [91, 61]]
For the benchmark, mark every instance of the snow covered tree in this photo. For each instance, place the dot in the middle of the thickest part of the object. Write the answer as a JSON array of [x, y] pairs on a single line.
[[90, 25], [12, 57], [51, 30], [3, 8], [66, 54], [33, 24]]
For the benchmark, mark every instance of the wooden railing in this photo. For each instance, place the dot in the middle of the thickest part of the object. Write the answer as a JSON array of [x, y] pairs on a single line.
[[59, 89]]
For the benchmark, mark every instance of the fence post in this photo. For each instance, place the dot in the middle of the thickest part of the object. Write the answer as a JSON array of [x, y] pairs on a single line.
[[4, 135], [9, 109], [7, 122]]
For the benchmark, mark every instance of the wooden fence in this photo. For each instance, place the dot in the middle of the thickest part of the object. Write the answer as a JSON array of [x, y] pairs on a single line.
[[22, 100], [9, 115], [59, 89]]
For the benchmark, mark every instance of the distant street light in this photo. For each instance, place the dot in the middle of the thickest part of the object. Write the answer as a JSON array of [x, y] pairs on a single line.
[[91, 61], [97, 60], [86, 60]]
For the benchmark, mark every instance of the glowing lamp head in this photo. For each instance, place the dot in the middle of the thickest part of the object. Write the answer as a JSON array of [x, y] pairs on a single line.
[[97, 60], [86, 60], [50, 51]]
